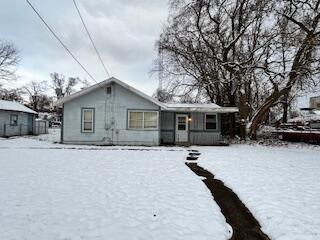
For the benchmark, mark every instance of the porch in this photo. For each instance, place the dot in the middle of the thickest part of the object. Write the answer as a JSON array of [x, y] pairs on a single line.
[[187, 128]]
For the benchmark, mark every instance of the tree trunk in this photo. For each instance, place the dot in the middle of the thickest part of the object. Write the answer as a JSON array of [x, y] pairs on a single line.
[[285, 106], [262, 112]]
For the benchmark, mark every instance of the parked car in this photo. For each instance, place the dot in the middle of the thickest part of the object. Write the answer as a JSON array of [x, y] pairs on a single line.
[[55, 124]]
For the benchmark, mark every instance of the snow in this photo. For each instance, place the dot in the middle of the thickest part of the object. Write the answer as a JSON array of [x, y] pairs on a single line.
[[199, 107], [306, 116], [14, 106], [190, 105], [54, 191], [279, 185]]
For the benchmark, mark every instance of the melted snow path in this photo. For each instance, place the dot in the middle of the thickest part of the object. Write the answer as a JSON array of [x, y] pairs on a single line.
[[79, 194]]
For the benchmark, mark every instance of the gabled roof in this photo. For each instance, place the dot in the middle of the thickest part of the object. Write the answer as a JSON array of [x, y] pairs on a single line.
[[104, 83], [177, 107], [14, 106]]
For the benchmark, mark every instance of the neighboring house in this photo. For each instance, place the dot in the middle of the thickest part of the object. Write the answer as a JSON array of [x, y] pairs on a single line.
[[308, 117], [315, 102], [114, 113], [16, 119]]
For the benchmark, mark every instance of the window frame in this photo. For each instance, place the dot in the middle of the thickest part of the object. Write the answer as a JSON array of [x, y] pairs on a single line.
[[205, 122], [143, 123], [11, 118], [82, 120]]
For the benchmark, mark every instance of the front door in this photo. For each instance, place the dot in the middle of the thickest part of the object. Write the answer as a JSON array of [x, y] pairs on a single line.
[[181, 128]]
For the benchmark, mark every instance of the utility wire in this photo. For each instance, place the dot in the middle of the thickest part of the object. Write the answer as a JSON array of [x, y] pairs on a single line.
[[89, 35], [60, 41]]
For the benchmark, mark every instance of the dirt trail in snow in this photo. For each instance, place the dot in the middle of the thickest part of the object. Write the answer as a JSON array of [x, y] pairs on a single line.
[[243, 223]]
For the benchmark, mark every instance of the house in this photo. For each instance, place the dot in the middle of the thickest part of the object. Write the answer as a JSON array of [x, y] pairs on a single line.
[[308, 117], [16, 119], [114, 113], [315, 102]]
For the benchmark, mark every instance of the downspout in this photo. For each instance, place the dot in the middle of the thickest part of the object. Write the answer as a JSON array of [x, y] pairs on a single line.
[[111, 125], [62, 124], [159, 126]]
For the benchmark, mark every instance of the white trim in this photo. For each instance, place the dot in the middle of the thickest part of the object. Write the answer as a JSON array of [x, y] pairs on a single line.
[[205, 121], [183, 133], [142, 128], [82, 120]]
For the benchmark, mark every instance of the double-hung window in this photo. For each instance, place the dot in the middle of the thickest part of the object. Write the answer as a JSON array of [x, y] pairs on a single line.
[[87, 125], [143, 120], [211, 121], [13, 120]]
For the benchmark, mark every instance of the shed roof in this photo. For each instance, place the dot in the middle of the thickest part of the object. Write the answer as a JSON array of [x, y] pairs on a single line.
[[14, 106], [199, 107]]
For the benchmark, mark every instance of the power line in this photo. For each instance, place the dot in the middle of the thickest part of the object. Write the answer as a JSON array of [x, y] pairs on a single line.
[[89, 35], [60, 41]]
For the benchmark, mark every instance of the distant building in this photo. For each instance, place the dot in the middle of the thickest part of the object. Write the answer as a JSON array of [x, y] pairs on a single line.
[[315, 102], [16, 119]]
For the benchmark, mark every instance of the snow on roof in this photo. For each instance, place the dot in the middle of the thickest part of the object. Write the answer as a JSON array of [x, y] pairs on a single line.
[[196, 105], [199, 107], [14, 106], [179, 107], [313, 115]]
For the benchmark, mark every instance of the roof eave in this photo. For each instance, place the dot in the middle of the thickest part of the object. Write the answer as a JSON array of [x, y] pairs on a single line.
[[207, 110]]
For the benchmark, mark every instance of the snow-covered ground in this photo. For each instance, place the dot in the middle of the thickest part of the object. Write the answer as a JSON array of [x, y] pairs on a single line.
[[53, 191], [280, 185]]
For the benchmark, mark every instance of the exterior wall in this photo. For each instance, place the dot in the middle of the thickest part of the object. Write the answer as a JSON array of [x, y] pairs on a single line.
[[41, 127], [315, 102], [7, 130], [167, 127], [197, 132], [110, 119], [199, 135]]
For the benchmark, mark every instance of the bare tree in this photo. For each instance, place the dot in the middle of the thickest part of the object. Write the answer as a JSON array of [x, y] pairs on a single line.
[[63, 86], [244, 53], [9, 59], [35, 92], [11, 94], [163, 95], [299, 65]]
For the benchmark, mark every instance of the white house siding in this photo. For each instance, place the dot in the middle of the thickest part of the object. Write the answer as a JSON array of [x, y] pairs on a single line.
[[197, 132], [110, 120], [7, 130]]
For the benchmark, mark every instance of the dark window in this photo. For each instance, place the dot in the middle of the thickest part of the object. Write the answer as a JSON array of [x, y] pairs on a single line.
[[109, 90], [182, 125], [211, 121], [13, 119]]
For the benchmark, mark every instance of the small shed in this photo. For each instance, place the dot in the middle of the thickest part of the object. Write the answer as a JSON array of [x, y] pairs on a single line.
[[16, 119]]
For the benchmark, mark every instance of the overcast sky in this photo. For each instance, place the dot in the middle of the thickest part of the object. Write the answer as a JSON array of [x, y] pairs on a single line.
[[124, 31]]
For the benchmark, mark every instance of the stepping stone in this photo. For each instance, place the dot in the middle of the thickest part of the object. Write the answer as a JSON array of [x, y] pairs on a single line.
[[194, 153], [191, 150], [192, 158]]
